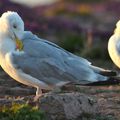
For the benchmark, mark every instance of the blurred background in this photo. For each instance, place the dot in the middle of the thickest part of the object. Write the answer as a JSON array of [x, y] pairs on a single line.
[[82, 27]]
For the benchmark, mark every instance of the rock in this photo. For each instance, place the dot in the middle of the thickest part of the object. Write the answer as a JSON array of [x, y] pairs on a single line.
[[74, 103], [21, 91], [16, 91], [63, 106], [72, 106], [9, 101], [68, 106]]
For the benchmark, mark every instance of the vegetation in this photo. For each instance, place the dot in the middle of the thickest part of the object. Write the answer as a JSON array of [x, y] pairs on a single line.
[[72, 43], [21, 112], [97, 52]]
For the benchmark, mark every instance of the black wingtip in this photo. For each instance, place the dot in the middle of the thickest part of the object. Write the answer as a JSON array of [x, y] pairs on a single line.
[[110, 81], [108, 73]]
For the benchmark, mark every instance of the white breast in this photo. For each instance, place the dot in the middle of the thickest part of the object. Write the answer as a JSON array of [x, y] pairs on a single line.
[[19, 75], [113, 47]]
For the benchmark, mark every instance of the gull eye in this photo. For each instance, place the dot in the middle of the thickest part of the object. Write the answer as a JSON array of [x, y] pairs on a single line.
[[14, 26]]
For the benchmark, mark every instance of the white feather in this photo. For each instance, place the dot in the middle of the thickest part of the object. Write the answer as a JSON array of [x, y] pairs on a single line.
[[114, 45]]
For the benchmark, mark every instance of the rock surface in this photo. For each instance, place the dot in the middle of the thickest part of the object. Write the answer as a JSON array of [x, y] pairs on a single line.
[[74, 102], [68, 106]]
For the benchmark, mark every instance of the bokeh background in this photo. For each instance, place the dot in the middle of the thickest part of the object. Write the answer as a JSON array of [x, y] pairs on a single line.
[[82, 27]]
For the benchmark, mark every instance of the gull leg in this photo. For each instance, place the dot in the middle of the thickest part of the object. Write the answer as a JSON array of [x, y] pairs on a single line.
[[38, 94]]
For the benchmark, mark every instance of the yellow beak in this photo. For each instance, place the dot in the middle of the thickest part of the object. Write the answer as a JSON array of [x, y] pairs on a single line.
[[19, 43]]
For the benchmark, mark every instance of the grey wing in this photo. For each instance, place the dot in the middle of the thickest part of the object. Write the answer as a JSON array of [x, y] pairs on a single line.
[[50, 63], [47, 70], [52, 71], [48, 48]]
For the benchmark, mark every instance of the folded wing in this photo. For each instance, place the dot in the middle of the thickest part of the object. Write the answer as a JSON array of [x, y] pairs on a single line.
[[52, 64]]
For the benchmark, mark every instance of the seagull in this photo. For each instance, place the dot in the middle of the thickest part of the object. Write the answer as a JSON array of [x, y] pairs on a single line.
[[39, 63], [114, 45]]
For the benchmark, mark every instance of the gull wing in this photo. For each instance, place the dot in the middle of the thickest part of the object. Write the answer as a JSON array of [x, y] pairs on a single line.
[[52, 64]]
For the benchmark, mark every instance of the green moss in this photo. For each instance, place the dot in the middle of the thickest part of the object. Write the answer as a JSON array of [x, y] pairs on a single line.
[[21, 112]]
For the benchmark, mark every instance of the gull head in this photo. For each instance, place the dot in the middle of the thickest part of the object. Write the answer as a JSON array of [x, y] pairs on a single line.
[[10, 23], [117, 29], [11, 27]]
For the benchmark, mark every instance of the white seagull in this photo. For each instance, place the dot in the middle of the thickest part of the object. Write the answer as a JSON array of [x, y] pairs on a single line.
[[114, 46], [39, 63]]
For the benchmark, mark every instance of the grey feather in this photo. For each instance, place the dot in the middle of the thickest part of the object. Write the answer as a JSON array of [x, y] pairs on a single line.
[[52, 64]]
